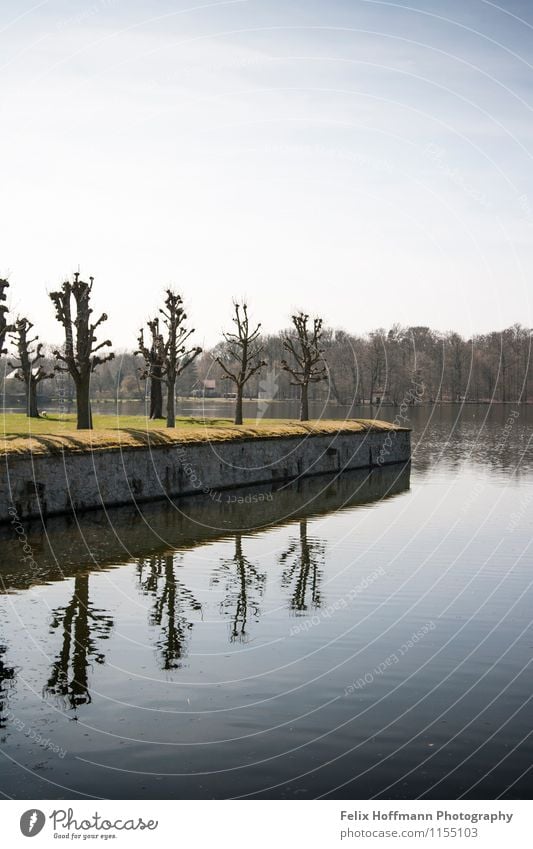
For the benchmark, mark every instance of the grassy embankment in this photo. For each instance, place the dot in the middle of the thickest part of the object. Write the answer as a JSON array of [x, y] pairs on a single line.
[[56, 433]]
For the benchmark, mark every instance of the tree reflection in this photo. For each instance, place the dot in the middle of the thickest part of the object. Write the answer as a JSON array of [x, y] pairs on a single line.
[[157, 577], [243, 584], [7, 676], [81, 625], [303, 563]]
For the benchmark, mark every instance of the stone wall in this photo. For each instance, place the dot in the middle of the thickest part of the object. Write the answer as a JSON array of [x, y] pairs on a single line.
[[105, 538], [52, 484]]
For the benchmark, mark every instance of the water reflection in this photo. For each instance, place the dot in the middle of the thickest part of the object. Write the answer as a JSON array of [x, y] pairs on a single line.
[[495, 436], [303, 568], [100, 540], [244, 585], [7, 677], [63, 547], [81, 626], [172, 601], [280, 711]]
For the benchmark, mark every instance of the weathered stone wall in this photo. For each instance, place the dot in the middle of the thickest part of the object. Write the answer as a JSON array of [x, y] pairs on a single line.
[[105, 538], [45, 485]]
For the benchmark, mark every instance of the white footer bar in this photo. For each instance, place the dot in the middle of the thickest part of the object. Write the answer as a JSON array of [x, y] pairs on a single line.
[[264, 824]]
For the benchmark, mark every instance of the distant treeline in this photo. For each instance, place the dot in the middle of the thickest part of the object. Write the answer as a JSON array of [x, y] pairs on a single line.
[[384, 366]]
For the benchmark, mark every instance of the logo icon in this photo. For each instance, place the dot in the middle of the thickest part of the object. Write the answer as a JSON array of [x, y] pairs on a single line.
[[32, 822]]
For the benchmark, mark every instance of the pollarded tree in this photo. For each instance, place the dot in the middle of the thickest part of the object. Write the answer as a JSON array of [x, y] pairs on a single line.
[[242, 356], [82, 627], [245, 585], [28, 369], [4, 326], [154, 359], [308, 366], [7, 679], [173, 603], [176, 354], [79, 355], [303, 570]]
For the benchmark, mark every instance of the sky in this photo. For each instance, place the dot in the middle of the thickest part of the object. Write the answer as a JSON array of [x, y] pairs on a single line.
[[368, 161]]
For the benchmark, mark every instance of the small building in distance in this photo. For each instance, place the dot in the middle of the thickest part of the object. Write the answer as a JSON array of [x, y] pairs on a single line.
[[380, 396], [205, 389]]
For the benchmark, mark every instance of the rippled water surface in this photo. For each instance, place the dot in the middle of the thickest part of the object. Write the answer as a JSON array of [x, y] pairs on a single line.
[[356, 637]]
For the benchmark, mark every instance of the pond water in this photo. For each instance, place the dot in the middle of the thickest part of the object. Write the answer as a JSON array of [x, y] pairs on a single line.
[[359, 637]]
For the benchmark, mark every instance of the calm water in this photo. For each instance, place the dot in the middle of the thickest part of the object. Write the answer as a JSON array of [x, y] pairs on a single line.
[[369, 636]]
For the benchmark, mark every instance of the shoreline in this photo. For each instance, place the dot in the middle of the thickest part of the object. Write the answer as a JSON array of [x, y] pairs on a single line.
[[55, 482], [61, 440]]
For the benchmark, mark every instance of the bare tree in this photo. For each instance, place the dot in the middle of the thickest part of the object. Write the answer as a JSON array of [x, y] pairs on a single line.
[[176, 354], [245, 584], [4, 326], [80, 351], [7, 679], [376, 363], [304, 345], [82, 627], [154, 358], [242, 356], [303, 569], [172, 606], [29, 369]]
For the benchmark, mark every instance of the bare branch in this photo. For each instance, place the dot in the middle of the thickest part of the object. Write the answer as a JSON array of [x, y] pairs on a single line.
[[242, 356], [5, 328], [304, 346], [79, 352], [166, 357]]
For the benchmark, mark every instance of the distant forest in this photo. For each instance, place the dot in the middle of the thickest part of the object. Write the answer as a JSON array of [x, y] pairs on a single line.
[[381, 367]]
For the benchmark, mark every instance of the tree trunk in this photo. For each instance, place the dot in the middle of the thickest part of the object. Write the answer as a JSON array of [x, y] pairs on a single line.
[[238, 406], [171, 406], [83, 405], [81, 633], [31, 400], [156, 394], [339, 398], [304, 402]]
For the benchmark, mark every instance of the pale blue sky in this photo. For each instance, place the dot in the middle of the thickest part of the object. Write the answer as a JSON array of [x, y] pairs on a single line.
[[371, 161]]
